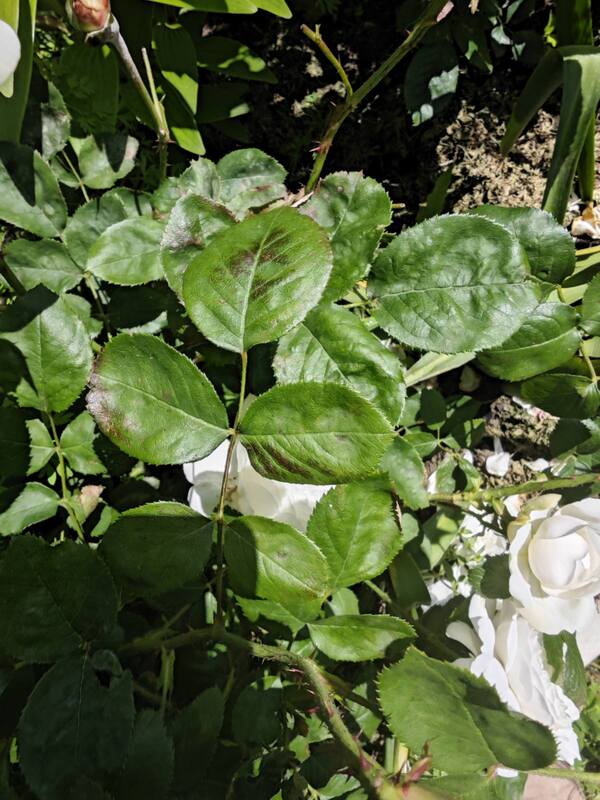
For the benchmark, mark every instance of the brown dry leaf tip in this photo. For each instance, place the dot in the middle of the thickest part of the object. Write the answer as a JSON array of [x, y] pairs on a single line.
[[89, 16]]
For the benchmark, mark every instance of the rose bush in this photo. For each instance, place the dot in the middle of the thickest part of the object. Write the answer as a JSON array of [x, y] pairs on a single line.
[[555, 563]]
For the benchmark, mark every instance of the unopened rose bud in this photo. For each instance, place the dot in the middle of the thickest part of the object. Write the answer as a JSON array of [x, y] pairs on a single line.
[[89, 16]]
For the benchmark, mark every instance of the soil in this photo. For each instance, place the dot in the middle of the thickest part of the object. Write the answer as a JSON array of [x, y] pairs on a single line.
[[379, 138]]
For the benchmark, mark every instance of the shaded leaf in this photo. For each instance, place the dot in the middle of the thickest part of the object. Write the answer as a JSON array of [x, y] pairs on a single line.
[[590, 308], [148, 769], [274, 561], [29, 194], [220, 54], [53, 599], [195, 733], [45, 261], [48, 332], [157, 547], [14, 442], [105, 159], [75, 726], [567, 391]]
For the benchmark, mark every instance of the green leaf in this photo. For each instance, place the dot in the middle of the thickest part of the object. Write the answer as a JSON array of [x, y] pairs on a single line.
[[41, 447], [75, 725], [332, 345], [222, 101], [157, 547], [407, 580], [176, 58], [406, 470], [590, 308], [278, 7], [48, 333], [232, 58], [355, 528], [567, 391], [256, 715], [542, 83], [549, 246], [359, 637], [26, 507], [495, 578], [431, 701], [249, 179], [430, 81], [88, 79], [148, 769], [314, 433], [254, 282], [581, 93], [45, 261], [432, 364], [354, 211], [272, 560], [77, 443], [53, 599], [195, 732], [254, 609], [29, 194], [104, 159], [153, 403], [89, 221], [47, 122], [128, 253], [182, 123], [548, 338], [14, 443], [192, 225], [200, 178], [453, 284]]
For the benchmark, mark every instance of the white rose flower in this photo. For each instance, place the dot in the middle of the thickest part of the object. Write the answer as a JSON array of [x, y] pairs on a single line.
[[248, 492], [509, 654], [10, 53], [555, 563]]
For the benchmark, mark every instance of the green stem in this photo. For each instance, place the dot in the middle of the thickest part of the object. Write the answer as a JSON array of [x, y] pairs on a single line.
[[220, 518], [10, 277], [590, 366], [488, 495], [568, 774], [77, 176], [316, 38], [422, 25], [62, 474], [112, 35]]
